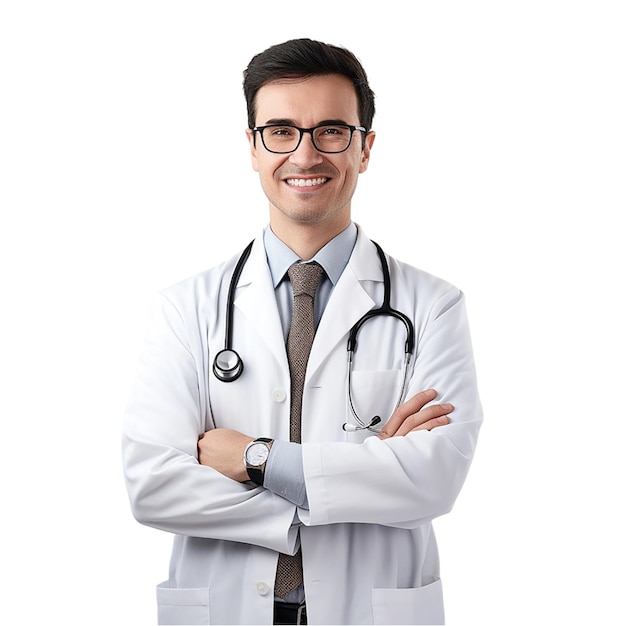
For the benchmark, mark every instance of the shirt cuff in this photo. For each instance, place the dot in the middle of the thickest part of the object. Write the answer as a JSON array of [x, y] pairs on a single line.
[[284, 473]]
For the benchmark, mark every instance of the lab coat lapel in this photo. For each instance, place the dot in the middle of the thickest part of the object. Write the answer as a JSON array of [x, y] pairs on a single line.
[[348, 302], [256, 300]]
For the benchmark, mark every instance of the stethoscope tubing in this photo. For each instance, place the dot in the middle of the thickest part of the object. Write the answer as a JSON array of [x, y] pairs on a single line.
[[228, 365]]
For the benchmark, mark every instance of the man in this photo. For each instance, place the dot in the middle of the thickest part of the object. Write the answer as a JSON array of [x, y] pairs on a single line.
[[286, 502]]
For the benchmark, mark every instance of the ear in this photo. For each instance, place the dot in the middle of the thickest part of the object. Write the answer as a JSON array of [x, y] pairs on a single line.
[[368, 142], [253, 154]]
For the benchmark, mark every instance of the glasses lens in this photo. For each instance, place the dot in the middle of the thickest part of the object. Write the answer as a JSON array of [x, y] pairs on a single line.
[[281, 138], [332, 138]]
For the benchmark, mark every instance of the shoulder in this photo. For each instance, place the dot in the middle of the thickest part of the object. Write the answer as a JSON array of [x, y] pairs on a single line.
[[365, 259], [404, 276], [412, 288], [205, 287], [419, 278], [430, 295]]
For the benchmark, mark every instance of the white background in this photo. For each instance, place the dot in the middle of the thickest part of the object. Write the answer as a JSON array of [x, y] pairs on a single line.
[[499, 165]]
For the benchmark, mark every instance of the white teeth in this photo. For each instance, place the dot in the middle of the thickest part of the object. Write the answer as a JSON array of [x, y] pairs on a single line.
[[306, 182]]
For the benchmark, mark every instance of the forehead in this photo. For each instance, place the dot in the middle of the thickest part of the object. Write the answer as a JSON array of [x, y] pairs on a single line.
[[308, 101]]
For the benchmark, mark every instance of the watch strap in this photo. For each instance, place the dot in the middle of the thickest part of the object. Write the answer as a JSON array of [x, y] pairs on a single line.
[[256, 475]]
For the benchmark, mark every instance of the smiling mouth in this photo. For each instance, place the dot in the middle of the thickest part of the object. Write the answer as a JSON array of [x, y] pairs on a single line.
[[306, 182]]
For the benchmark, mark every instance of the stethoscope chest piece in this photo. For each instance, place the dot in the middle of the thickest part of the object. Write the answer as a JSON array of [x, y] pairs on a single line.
[[227, 365]]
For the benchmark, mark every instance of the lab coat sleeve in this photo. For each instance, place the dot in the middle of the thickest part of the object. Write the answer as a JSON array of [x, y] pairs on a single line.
[[406, 481], [167, 486]]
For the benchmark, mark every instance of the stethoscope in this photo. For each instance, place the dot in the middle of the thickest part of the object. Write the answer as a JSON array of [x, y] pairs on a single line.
[[228, 365]]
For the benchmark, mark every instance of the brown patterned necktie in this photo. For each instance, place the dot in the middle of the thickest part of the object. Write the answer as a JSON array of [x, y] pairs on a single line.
[[304, 279]]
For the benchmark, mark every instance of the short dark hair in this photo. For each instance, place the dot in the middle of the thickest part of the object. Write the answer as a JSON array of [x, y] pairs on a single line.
[[301, 58]]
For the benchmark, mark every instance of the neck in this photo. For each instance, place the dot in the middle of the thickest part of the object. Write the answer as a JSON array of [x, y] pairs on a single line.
[[307, 239]]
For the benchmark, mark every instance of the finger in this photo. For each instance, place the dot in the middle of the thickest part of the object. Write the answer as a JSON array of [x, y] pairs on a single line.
[[422, 420], [413, 405], [433, 423]]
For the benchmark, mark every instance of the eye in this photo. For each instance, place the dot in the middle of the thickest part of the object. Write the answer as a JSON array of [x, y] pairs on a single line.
[[330, 131], [285, 132]]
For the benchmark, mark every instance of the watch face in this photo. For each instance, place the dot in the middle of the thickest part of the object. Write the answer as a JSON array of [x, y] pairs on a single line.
[[257, 454]]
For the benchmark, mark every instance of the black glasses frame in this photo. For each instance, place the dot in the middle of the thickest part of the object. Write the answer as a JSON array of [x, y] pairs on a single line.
[[352, 128]]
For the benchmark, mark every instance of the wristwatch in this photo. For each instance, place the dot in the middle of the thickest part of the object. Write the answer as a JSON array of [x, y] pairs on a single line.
[[255, 458]]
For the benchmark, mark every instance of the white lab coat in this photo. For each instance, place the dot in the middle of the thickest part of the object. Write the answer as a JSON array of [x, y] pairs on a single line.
[[369, 551]]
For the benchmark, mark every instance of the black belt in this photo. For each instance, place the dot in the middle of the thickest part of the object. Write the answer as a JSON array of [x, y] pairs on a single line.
[[289, 613]]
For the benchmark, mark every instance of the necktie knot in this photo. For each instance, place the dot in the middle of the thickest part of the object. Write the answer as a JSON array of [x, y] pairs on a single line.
[[304, 278]]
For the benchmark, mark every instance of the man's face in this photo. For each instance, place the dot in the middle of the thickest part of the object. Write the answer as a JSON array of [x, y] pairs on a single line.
[[333, 177]]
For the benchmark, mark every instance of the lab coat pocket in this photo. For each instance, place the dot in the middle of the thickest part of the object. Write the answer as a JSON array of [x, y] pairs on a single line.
[[374, 392], [421, 605], [182, 606]]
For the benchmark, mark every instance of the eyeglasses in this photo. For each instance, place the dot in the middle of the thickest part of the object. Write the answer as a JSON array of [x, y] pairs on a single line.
[[328, 138]]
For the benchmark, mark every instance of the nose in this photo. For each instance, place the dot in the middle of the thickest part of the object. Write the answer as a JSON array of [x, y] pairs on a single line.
[[306, 155]]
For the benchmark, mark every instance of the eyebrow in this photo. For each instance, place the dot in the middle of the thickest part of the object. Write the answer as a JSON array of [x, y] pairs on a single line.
[[287, 122]]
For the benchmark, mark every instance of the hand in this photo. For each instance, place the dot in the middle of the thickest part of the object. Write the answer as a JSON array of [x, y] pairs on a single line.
[[223, 450], [411, 415]]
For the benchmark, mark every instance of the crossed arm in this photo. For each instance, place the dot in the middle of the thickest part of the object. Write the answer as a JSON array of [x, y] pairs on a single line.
[[223, 449]]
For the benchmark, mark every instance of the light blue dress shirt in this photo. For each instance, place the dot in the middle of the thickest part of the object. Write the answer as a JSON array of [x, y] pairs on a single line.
[[284, 474]]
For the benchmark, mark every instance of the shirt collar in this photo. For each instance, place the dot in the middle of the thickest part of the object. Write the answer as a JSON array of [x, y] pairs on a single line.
[[333, 257]]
